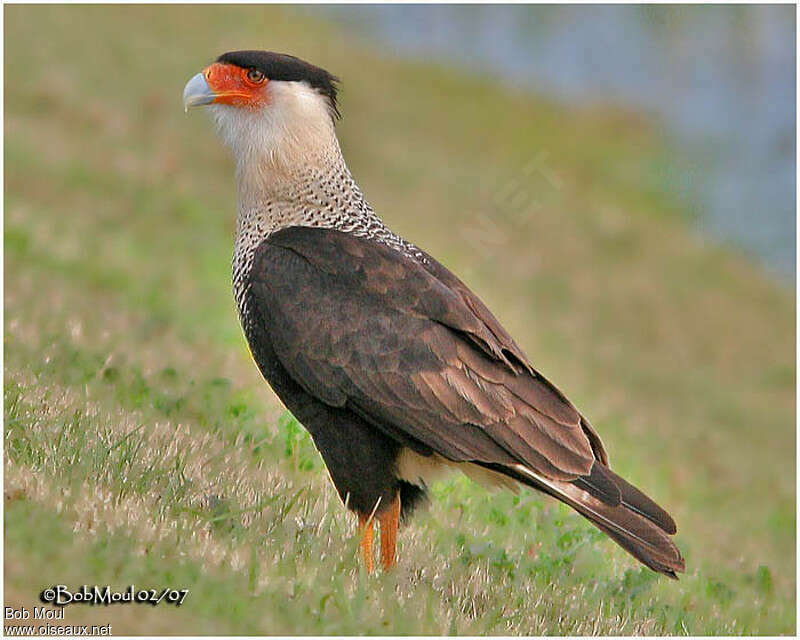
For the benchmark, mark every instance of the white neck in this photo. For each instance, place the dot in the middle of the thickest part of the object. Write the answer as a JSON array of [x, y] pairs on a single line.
[[290, 172], [293, 134]]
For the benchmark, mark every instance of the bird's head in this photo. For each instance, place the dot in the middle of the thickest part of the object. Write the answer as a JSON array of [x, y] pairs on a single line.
[[268, 106]]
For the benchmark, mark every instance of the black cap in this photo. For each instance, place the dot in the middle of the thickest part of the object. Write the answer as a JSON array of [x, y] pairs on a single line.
[[280, 66]]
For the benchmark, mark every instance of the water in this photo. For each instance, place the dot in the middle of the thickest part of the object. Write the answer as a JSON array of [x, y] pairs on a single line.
[[721, 78]]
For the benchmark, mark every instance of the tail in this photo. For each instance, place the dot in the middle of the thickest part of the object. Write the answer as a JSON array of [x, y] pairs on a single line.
[[618, 509]]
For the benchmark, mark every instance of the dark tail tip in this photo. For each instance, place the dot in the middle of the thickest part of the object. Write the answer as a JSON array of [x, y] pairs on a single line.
[[630, 518], [602, 483]]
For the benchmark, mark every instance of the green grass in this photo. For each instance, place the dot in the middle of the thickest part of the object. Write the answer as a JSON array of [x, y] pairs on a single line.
[[141, 445]]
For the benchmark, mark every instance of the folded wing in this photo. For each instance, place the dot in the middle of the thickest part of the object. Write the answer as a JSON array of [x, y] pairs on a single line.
[[359, 324], [403, 343]]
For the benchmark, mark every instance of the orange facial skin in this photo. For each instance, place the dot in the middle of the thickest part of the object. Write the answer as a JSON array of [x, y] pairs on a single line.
[[232, 85]]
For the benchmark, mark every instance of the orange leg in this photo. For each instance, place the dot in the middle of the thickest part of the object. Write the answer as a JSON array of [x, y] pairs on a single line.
[[390, 521], [366, 525]]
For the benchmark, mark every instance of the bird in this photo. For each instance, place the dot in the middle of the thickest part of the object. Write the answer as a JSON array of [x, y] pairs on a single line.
[[398, 371]]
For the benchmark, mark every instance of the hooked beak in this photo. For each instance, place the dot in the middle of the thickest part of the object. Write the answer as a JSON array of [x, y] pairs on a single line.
[[197, 92]]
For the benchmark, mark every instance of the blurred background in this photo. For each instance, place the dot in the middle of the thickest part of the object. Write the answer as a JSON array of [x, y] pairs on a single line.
[[617, 184], [717, 79]]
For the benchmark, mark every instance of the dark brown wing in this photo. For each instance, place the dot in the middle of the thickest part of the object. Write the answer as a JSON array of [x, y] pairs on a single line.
[[406, 346], [511, 353], [410, 348]]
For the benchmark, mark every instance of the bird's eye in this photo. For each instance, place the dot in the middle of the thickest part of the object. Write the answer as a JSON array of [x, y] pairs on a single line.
[[255, 76]]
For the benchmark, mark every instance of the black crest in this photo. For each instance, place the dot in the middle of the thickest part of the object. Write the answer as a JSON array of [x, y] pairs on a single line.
[[281, 66]]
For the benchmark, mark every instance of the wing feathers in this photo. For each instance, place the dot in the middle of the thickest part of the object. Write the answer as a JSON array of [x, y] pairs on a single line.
[[413, 349], [638, 535], [637, 501], [410, 349], [600, 484]]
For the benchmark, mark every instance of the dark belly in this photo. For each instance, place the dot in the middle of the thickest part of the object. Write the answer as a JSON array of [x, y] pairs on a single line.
[[360, 458]]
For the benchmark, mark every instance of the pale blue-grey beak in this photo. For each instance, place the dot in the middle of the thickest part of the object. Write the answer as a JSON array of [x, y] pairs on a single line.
[[197, 92]]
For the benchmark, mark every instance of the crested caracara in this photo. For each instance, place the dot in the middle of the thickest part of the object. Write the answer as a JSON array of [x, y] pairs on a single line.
[[394, 366]]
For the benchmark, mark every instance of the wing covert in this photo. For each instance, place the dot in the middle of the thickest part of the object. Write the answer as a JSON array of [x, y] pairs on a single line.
[[414, 351]]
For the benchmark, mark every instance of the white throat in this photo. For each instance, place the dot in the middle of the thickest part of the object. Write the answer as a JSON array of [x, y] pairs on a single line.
[[290, 171], [294, 131], [286, 155]]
